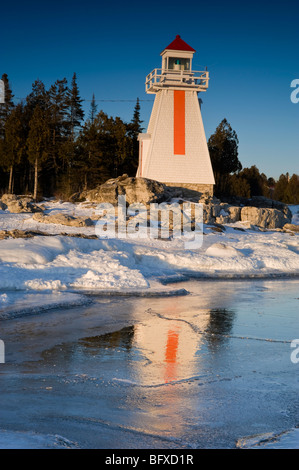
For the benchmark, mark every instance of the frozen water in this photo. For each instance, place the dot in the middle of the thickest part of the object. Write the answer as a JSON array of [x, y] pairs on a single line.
[[210, 369]]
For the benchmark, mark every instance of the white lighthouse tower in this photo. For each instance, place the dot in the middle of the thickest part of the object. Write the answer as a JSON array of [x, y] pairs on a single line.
[[174, 149]]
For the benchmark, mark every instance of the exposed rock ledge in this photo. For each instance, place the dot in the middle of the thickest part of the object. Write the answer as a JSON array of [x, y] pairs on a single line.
[[259, 211]]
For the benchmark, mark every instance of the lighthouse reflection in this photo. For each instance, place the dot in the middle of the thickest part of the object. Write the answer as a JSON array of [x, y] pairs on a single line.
[[175, 343], [167, 346]]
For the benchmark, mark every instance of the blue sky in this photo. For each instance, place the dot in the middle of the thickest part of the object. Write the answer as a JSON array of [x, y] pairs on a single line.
[[250, 48]]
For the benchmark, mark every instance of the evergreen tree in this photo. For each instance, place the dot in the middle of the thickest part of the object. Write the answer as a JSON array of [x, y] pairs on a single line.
[[91, 163], [38, 96], [76, 113], [58, 121], [38, 142], [14, 142], [223, 148], [93, 109], [258, 182], [134, 129]]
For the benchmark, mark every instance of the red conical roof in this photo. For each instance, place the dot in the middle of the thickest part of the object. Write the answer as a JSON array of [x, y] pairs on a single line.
[[179, 45]]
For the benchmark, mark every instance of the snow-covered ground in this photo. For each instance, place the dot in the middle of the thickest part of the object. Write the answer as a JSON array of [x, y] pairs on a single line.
[[63, 263]]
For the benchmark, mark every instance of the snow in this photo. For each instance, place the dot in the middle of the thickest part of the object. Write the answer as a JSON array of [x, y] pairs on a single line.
[[69, 263], [295, 211]]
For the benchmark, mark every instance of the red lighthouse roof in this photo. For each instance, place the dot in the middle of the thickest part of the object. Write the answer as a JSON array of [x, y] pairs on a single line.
[[179, 45]]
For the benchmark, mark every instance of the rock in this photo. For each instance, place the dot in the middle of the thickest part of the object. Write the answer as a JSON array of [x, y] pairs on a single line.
[[15, 233], [63, 219], [137, 189], [260, 202], [234, 214], [217, 228], [19, 204], [292, 227], [8, 198], [265, 218], [75, 197]]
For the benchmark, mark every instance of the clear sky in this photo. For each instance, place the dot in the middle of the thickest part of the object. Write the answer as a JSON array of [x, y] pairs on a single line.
[[250, 48]]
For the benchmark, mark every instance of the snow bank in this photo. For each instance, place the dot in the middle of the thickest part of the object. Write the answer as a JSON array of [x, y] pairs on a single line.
[[60, 263]]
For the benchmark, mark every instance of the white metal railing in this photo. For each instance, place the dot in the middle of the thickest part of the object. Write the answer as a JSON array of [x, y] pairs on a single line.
[[159, 78]]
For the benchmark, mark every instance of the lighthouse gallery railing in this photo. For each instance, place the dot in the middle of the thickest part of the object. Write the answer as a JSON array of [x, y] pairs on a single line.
[[160, 78]]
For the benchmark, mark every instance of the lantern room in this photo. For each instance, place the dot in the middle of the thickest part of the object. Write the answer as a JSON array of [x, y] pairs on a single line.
[[177, 56]]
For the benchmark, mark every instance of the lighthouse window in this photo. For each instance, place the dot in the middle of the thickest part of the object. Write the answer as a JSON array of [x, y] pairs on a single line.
[[175, 63]]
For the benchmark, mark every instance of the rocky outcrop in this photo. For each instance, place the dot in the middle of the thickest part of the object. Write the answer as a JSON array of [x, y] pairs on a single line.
[[140, 190], [258, 211], [63, 219], [260, 202], [264, 217], [19, 204]]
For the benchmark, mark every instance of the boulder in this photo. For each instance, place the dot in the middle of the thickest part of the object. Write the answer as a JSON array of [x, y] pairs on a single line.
[[8, 198], [260, 202], [137, 189], [264, 217], [19, 204], [63, 219]]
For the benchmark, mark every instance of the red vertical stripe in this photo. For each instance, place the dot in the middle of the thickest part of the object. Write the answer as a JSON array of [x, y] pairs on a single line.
[[179, 122], [171, 355]]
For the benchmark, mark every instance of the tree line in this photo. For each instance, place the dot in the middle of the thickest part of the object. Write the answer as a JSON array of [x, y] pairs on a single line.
[[46, 147], [234, 180]]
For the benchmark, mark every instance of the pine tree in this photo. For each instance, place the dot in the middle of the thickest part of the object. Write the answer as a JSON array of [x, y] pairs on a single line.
[[93, 109], [38, 96], [38, 143], [14, 142], [223, 148], [134, 129], [76, 113]]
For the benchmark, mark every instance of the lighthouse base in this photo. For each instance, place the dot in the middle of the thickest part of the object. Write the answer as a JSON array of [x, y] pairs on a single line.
[[201, 188]]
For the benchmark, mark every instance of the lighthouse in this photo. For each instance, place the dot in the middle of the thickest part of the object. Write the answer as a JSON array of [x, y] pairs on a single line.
[[174, 149]]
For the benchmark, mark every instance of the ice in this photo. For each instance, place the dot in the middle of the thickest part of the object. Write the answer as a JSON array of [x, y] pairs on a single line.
[[30, 440], [283, 440], [18, 303]]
